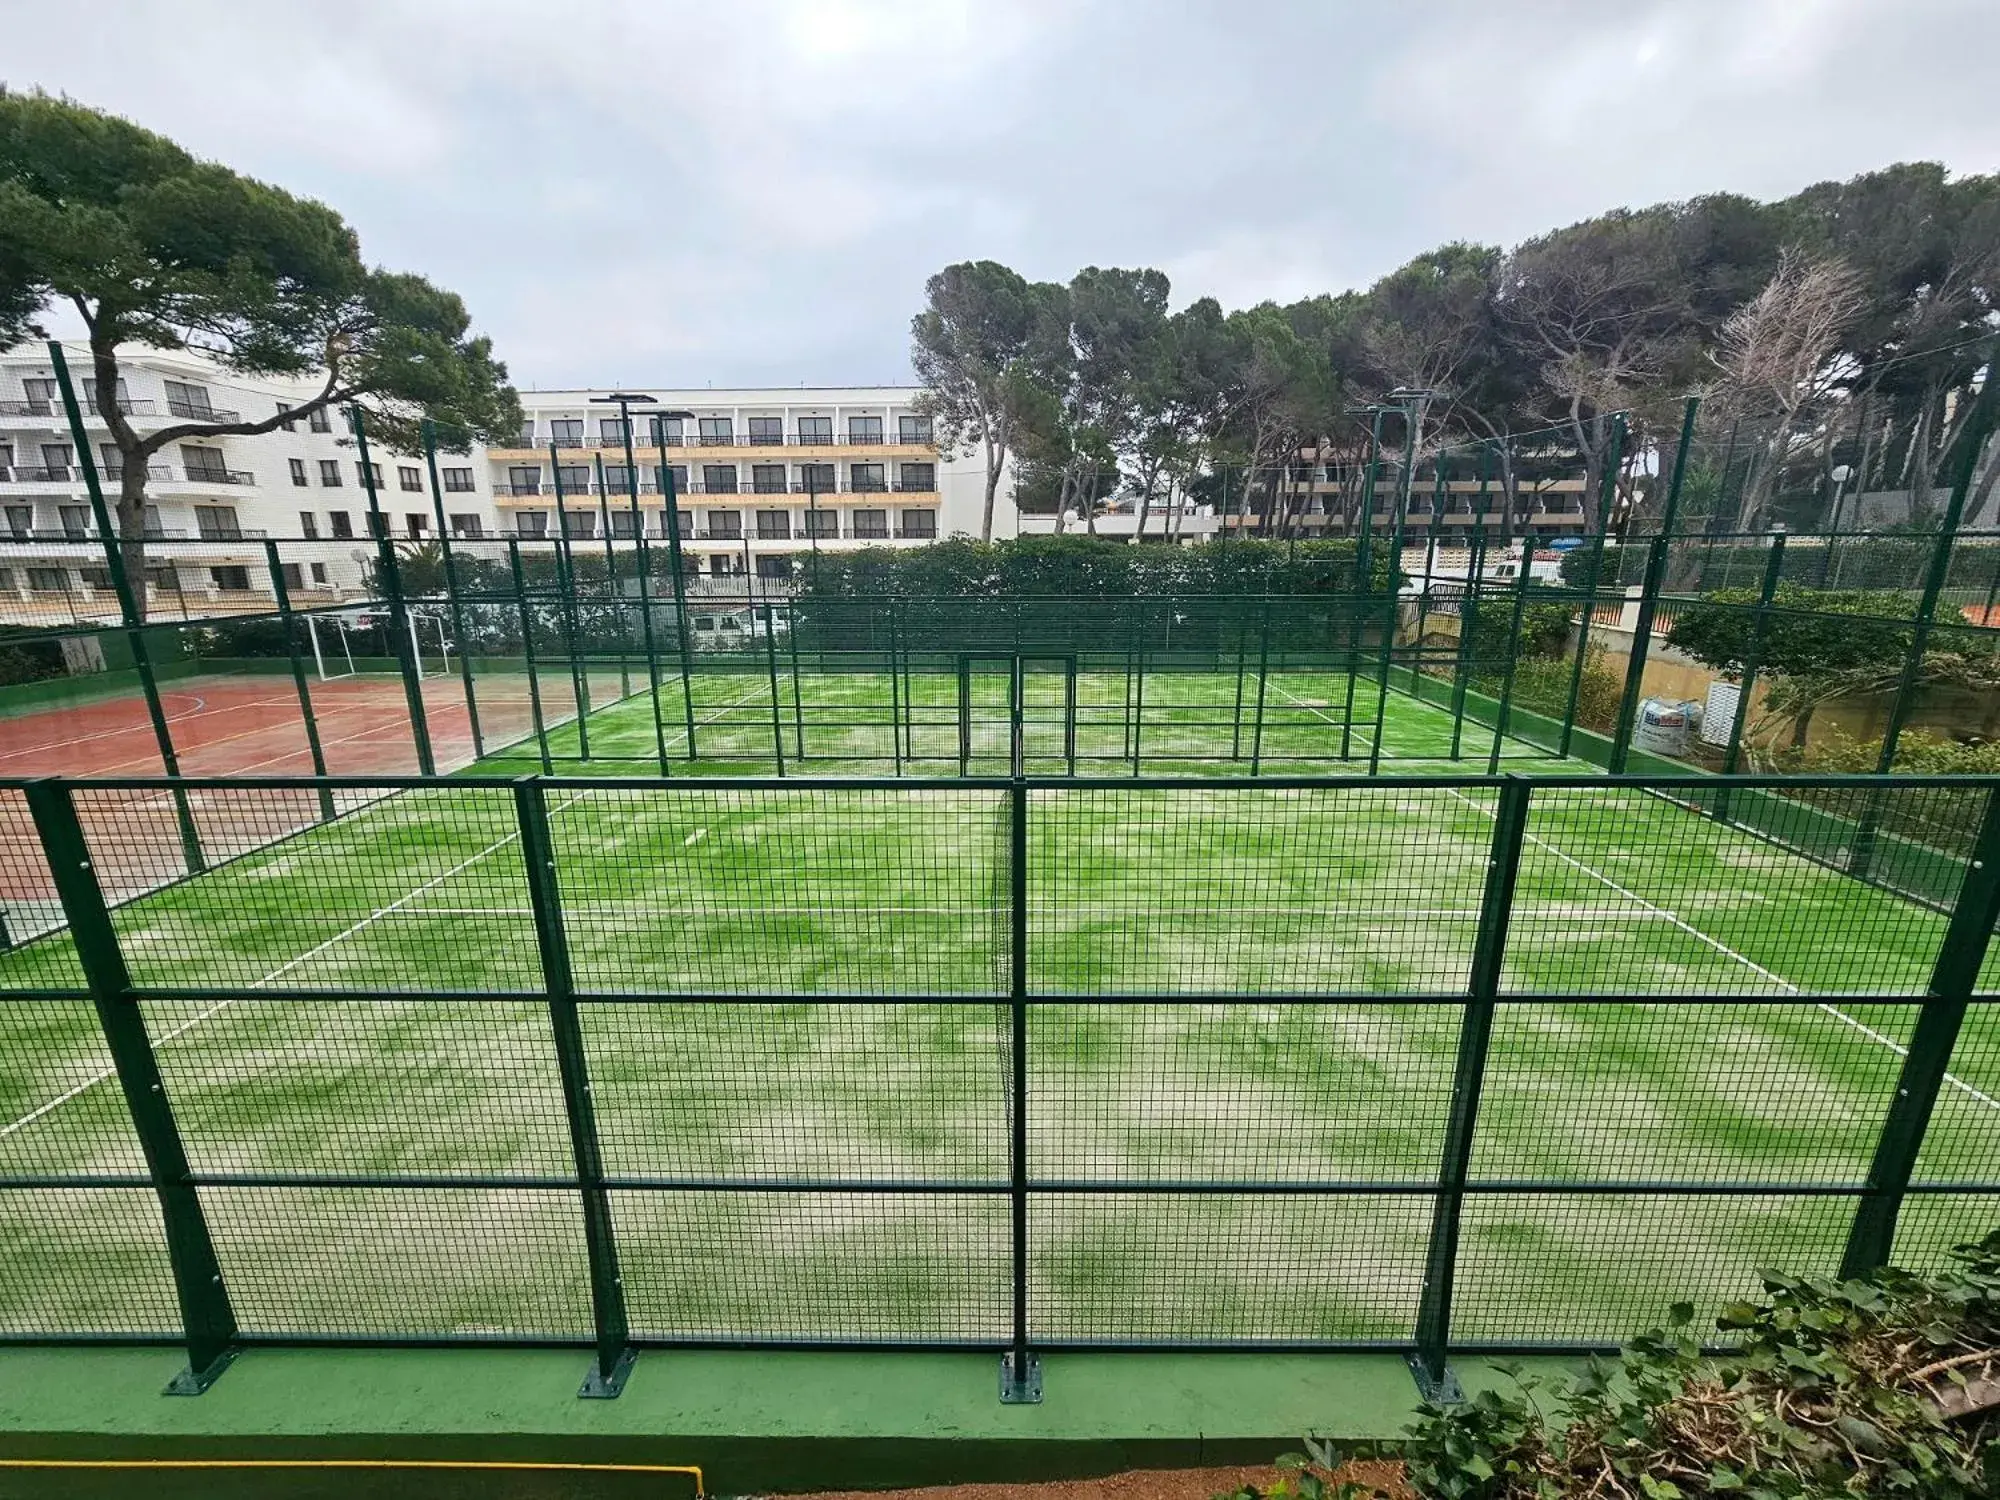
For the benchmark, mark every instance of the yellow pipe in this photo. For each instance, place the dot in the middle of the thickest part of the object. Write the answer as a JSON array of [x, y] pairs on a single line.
[[700, 1489]]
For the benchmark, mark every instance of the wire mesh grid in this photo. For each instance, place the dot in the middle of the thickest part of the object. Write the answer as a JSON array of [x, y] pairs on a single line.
[[832, 1092], [1933, 1224], [1238, 1092], [462, 1262], [422, 891], [1242, 890], [1962, 1140], [61, 1110], [1627, 890], [79, 1261], [1572, 1268], [363, 1088], [1686, 1091], [821, 1266], [1225, 1268], [30, 908], [778, 891]]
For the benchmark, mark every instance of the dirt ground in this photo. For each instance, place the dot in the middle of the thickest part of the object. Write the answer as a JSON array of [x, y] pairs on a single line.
[[1144, 1484]]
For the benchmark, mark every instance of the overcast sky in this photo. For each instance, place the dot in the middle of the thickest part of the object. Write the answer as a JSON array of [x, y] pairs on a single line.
[[753, 191]]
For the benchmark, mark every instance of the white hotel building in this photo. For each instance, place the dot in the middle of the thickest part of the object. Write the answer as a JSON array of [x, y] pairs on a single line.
[[763, 477]]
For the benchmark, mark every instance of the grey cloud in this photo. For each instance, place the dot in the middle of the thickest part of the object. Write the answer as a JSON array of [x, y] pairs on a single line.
[[690, 193]]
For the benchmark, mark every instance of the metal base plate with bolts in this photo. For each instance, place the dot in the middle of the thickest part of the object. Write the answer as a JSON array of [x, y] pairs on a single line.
[[192, 1382], [597, 1386], [1443, 1390], [1025, 1391]]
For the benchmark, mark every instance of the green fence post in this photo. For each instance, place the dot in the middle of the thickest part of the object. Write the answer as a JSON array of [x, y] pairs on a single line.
[[289, 622], [1468, 621], [611, 581], [1608, 493], [771, 665], [528, 650], [1503, 714], [1364, 581], [1433, 1331], [1263, 671], [607, 1288], [798, 706], [399, 610], [895, 693], [670, 495], [128, 610], [206, 1314], [1392, 612], [1760, 625], [645, 565], [1236, 714], [1635, 661], [579, 675], [1925, 1066], [1020, 1368], [429, 431]]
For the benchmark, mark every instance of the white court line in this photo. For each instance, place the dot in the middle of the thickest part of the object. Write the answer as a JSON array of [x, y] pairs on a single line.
[[1723, 948], [285, 968], [696, 837]]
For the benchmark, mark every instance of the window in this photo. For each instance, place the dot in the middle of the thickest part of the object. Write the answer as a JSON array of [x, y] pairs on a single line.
[[289, 426], [458, 481], [188, 400], [49, 580], [527, 437], [917, 478], [6, 458], [308, 525], [95, 578], [524, 481], [815, 430], [293, 576], [670, 430], [343, 528], [149, 521], [774, 567], [90, 395], [409, 477], [378, 524], [679, 474], [319, 572], [205, 465], [774, 525], [298, 467], [822, 523], [329, 473], [725, 525], [864, 429], [716, 430], [719, 479], [20, 520], [871, 523], [532, 523], [56, 459], [920, 523], [582, 523], [567, 432], [217, 523], [817, 479], [867, 478], [621, 523], [617, 479], [464, 524], [231, 579], [914, 430], [75, 521], [611, 431], [573, 479], [415, 524], [767, 431], [318, 420], [368, 474], [6, 580], [41, 395], [110, 461], [767, 479]]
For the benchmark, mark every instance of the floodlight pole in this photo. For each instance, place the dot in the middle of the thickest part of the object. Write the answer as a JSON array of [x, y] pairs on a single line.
[[625, 400]]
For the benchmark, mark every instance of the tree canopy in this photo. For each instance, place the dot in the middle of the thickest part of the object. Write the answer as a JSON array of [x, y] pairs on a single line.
[[148, 244], [1845, 325]]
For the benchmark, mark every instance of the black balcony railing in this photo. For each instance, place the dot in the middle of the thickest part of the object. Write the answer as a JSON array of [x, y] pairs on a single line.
[[917, 486], [917, 533], [59, 475], [205, 474], [153, 471], [129, 408], [198, 411], [26, 409]]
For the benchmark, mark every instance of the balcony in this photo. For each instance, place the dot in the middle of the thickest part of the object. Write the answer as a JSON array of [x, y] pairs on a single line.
[[916, 486], [917, 534], [27, 409], [220, 476], [230, 534], [38, 476], [715, 536], [870, 533], [153, 471], [503, 488], [129, 408], [196, 411], [867, 487]]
